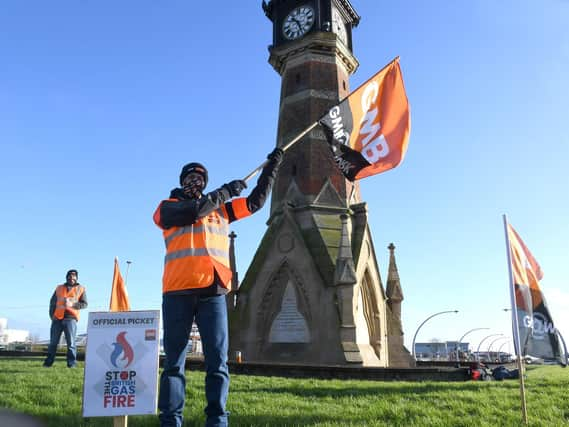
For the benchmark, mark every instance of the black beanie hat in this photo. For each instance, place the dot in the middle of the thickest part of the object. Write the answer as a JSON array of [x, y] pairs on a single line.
[[196, 168], [71, 271]]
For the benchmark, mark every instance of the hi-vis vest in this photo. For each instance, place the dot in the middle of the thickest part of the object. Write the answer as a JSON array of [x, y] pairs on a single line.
[[194, 252], [63, 295]]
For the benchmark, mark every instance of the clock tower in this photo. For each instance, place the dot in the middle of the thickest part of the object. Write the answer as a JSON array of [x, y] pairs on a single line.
[[312, 51], [313, 292]]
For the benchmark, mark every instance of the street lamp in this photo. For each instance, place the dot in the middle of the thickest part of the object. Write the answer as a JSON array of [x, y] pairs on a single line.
[[500, 350], [480, 344], [128, 263], [492, 343], [421, 325], [462, 337]]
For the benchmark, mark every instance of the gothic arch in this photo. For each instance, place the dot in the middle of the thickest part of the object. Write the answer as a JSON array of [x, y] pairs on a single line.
[[371, 311]]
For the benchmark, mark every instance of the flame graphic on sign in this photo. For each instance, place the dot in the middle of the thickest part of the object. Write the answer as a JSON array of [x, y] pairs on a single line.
[[122, 347]]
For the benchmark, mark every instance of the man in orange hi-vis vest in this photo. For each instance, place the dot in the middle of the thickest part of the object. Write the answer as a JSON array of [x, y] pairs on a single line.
[[64, 307], [196, 278]]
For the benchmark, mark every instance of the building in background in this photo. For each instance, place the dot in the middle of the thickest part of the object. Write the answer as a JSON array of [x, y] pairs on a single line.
[[441, 350], [194, 347], [195, 343], [12, 339]]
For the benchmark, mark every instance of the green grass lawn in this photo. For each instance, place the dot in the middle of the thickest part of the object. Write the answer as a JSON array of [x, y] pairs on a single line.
[[54, 396]]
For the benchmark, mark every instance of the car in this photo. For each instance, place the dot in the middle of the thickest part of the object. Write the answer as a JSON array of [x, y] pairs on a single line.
[[530, 360]]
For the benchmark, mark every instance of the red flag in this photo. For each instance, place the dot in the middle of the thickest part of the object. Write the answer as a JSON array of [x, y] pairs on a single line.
[[369, 130], [119, 296]]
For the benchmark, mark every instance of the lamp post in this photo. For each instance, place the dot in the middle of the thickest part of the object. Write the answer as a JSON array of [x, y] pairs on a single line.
[[421, 325], [462, 337], [500, 350], [128, 263], [480, 344], [492, 343]]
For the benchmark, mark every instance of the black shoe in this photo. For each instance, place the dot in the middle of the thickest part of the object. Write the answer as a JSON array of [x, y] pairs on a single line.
[[46, 365]]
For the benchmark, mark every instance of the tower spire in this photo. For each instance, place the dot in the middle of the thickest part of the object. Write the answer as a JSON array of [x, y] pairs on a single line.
[[399, 356], [393, 289]]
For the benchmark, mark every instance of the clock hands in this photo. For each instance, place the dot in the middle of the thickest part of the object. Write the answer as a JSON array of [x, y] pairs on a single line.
[[297, 24]]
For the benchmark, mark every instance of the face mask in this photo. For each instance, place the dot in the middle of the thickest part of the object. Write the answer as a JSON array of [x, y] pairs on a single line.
[[194, 187]]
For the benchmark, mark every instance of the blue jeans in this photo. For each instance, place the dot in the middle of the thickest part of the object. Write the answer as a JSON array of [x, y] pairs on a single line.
[[210, 314], [69, 328]]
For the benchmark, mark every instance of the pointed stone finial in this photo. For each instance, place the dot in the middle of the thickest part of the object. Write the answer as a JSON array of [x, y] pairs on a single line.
[[345, 273], [393, 288]]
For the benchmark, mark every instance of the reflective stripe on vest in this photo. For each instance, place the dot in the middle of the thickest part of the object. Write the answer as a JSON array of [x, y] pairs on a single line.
[[196, 229], [196, 252], [62, 294]]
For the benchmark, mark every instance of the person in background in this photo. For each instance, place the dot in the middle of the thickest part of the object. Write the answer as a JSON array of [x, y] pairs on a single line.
[[64, 307], [196, 276]]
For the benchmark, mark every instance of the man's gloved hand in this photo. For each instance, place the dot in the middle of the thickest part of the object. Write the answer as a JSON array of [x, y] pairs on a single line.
[[259, 194], [235, 187], [276, 156]]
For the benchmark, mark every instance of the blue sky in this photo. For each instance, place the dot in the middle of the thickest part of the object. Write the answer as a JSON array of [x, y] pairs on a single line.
[[101, 103]]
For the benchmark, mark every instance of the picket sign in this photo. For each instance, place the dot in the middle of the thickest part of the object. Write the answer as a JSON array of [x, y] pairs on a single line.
[[121, 364]]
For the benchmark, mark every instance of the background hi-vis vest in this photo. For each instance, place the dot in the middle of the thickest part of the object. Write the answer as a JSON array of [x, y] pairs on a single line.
[[62, 294], [194, 252]]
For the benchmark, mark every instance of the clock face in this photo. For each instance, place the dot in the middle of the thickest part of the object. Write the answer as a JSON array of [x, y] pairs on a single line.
[[338, 26], [298, 22]]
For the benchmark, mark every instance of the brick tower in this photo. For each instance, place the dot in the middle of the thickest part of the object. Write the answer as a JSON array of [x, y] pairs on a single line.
[[313, 292]]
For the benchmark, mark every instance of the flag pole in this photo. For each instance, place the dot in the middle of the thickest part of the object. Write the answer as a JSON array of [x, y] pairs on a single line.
[[515, 323], [121, 420], [564, 348], [286, 147]]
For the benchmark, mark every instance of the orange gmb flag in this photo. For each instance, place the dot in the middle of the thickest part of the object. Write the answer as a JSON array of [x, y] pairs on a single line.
[[526, 271], [538, 335], [368, 131], [119, 296]]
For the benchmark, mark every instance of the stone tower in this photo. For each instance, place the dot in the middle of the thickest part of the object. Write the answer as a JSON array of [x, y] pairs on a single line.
[[313, 292]]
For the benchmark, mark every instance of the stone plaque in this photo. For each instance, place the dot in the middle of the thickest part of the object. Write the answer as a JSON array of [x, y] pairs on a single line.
[[289, 326]]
